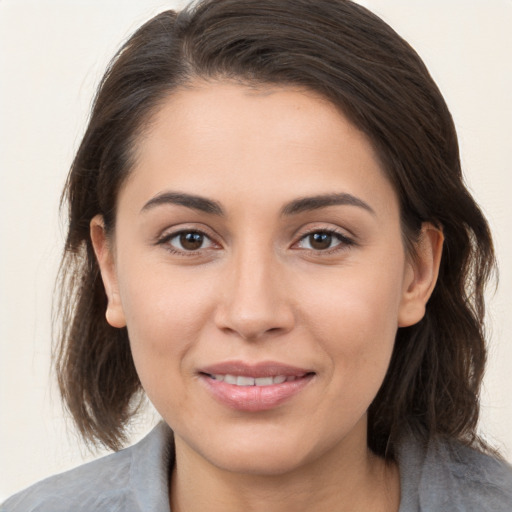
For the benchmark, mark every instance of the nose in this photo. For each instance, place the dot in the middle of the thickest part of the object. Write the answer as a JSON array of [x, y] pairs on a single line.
[[254, 300]]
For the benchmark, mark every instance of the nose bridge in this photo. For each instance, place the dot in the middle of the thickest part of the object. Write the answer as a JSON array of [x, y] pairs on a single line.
[[254, 300]]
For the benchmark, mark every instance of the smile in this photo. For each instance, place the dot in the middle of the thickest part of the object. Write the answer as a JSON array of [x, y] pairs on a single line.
[[254, 387], [243, 380]]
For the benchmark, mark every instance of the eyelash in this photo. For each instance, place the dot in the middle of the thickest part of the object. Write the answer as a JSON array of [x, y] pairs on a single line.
[[166, 239], [344, 241]]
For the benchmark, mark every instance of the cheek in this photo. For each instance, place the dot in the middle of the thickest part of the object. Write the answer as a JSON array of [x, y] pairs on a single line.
[[357, 299], [164, 315], [354, 317]]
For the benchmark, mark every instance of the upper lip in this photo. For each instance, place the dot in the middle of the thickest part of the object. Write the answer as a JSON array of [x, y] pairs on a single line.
[[261, 369]]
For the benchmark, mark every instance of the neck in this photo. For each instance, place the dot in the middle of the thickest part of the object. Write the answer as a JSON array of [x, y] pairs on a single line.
[[356, 480]]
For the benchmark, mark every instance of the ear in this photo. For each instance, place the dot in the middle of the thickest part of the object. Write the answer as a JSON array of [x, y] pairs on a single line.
[[421, 275], [105, 256]]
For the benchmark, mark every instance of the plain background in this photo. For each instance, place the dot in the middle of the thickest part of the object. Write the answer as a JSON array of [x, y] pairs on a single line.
[[52, 54]]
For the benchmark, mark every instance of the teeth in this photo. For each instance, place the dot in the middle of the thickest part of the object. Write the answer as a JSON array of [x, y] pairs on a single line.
[[264, 381], [244, 381], [241, 380], [230, 379]]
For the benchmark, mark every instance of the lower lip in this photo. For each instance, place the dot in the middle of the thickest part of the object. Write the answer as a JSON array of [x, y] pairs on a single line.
[[255, 398]]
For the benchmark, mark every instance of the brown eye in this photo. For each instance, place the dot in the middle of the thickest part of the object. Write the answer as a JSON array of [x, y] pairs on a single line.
[[188, 241], [320, 241], [324, 240], [191, 241]]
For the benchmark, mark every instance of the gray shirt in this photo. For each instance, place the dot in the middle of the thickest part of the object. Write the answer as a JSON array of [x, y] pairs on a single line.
[[439, 477]]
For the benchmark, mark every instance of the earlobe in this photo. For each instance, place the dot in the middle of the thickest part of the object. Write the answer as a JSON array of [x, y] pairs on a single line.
[[105, 257], [421, 275]]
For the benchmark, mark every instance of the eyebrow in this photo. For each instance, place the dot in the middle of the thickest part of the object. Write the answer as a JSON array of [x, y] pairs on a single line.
[[305, 204], [188, 200], [295, 207]]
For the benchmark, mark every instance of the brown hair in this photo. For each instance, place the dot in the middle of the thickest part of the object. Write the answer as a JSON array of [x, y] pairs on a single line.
[[351, 57]]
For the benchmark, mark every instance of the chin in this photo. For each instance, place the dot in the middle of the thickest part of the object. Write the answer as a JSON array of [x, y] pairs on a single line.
[[259, 454], [259, 462]]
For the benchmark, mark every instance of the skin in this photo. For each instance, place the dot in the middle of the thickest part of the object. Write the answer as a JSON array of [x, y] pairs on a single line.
[[257, 289]]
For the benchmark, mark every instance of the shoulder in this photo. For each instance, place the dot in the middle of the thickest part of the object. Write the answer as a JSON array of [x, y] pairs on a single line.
[[451, 476], [106, 476], [481, 482], [116, 482]]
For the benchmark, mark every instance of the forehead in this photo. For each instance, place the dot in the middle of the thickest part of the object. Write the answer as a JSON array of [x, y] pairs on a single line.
[[219, 138]]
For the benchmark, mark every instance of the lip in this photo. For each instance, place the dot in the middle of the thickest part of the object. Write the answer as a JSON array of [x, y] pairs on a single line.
[[261, 369], [254, 398]]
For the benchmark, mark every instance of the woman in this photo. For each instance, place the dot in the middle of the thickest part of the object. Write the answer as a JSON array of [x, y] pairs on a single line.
[[269, 235]]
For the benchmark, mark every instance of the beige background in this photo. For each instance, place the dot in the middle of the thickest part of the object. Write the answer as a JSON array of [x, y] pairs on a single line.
[[52, 54]]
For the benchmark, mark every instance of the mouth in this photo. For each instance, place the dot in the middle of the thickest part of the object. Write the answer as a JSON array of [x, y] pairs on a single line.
[[253, 388], [243, 380]]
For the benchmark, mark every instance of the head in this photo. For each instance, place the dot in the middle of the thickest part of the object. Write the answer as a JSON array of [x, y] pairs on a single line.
[[331, 51]]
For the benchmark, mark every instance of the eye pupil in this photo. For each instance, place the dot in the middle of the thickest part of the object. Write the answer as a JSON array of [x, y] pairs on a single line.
[[320, 240], [191, 241]]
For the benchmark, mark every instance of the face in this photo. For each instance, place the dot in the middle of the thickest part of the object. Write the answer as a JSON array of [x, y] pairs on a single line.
[[258, 264]]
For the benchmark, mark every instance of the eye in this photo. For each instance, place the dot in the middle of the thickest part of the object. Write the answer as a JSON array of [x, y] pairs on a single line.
[[188, 241], [323, 240]]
